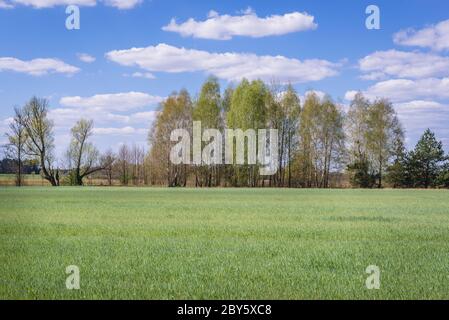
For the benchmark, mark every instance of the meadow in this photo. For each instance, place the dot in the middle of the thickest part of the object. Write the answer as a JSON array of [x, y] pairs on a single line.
[[159, 243]]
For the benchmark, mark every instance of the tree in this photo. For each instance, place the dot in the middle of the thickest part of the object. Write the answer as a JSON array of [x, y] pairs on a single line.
[[283, 110], [291, 108], [357, 126], [398, 174], [175, 113], [373, 131], [82, 155], [248, 110], [359, 167], [137, 159], [207, 109], [108, 159], [443, 179], [17, 139], [383, 128], [426, 160], [360, 174], [40, 142], [123, 163], [321, 140]]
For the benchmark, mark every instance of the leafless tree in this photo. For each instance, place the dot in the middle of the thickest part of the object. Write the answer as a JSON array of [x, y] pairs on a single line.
[[40, 142], [17, 138], [83, 156]]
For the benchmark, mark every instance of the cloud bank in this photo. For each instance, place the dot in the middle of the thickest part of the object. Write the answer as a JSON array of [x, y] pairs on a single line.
[[230, 66], [39, 4], [435, 37], [36, 67]]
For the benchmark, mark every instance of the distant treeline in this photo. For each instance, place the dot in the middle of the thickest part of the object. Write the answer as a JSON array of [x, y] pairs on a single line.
[[320, 145], [9, 166]]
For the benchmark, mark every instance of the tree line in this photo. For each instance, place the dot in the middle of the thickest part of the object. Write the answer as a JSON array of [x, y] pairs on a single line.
[[320, 144]]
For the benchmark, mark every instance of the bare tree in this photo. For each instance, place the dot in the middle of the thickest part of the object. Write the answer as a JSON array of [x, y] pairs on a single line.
[[40, 142], [83, 156], [108, 159], [15, 149], [122, 163]]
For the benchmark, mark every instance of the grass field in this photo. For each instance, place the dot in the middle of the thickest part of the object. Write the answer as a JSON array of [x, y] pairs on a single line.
[[145, 243]]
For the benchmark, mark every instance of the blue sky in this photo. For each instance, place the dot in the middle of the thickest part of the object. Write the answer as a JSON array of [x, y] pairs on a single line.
[[325, 46]]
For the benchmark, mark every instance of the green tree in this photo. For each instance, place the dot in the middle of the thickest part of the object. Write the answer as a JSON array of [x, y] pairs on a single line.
[[427, 160], [383, 126], [360, 174], [398, 173], [207, 109], [443, 178], [321, 140], [174, 113], [248, 110], [359, 167], [290, 112]]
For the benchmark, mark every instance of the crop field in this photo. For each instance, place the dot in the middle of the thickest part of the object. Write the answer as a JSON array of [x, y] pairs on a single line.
[[155, 243]]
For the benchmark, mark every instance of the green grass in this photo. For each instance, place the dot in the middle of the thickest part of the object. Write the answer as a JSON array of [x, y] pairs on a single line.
[[223, 243]]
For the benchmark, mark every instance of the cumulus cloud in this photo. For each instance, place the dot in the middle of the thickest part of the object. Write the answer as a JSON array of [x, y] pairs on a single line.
[[350, 95], [122, 4], [230, 66], [65, 118], [393, 63], [421, 105], [119, 4], [418, 115], [399, 90], [224, 27], [119, 131], [302, 98], [112, 102], [435, 37], [36, 67], [5, 5], [52, 3], [146, 75], [84, 57]]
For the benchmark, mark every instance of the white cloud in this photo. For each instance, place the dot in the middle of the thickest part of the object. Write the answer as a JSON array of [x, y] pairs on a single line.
[[420, 105], [84, 57], [5, 5], [4, 125], [65, 118], [302, 98], [418, 115], [36, 67], [230, 66], [112, 102], [435, 37], [146, 75], [119, 4], [143, 117], [224, 27], [405, 90], [53, 3], [382, 64], [350, 95], [119, 131], [122, 4]]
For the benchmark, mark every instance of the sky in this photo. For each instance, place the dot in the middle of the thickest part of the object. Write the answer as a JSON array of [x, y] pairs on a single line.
[[128, 55]]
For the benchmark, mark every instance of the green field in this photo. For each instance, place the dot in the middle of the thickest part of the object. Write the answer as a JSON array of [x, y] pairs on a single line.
[[148, 243]]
